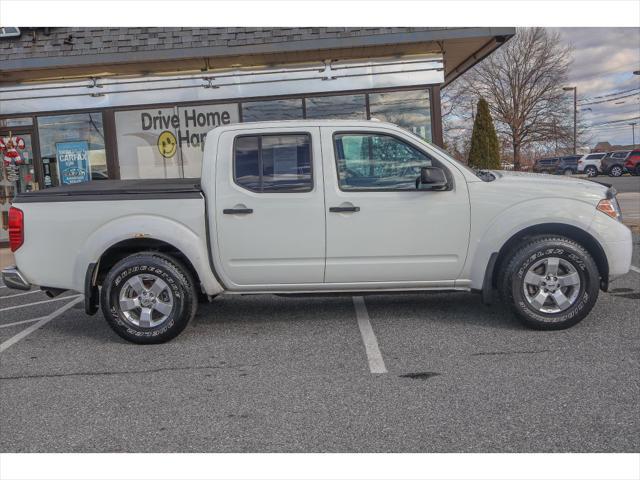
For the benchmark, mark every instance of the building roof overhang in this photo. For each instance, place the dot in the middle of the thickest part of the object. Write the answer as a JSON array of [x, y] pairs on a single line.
[[461, 48]]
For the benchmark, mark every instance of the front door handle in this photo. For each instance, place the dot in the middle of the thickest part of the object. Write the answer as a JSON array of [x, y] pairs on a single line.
[[237, 211], [344, 209]]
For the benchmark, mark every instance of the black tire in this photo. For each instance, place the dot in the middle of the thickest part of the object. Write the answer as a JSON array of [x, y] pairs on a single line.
[[180, 292], [512, 287], [591, 171], [637, 170], [616, 171]]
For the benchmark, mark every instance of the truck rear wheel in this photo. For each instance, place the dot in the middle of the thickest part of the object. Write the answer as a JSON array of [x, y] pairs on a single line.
[[550, 282], [148, 298]]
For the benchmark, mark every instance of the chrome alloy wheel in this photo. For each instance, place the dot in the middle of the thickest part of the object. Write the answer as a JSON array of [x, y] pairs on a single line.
[[551, 285], [616, 171], [146, 301]]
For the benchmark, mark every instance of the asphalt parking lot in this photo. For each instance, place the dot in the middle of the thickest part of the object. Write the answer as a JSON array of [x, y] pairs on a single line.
[[266, 373], [623, 184]]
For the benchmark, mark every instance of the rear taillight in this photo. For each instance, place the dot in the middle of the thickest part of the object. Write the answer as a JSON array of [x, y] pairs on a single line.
[[16, 228]]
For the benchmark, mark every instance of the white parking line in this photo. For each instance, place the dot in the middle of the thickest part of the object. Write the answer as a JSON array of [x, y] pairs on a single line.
[[37, 303], [31, 320], [635, 269], [20, 294], [376, 362], [27, 331]]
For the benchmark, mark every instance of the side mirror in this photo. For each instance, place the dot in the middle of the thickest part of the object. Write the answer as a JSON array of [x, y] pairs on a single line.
[[432, 178]]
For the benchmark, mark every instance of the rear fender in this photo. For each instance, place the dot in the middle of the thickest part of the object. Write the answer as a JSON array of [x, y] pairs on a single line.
[[190, 243]]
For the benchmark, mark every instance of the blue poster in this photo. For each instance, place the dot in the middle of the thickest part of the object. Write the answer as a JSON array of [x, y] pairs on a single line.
[[73, 162]]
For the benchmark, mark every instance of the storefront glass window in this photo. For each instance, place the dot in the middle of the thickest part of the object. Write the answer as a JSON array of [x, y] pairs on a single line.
[[19, 177], [284, 109], [167, 142], [16, 122], [339, 106], [408, 109], [72, 148]]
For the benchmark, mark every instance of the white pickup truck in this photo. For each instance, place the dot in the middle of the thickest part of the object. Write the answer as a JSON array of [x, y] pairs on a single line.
[[320, 207]]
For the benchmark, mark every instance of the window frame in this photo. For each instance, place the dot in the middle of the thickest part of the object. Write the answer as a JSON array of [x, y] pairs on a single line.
[[447, 173], [260, 164]]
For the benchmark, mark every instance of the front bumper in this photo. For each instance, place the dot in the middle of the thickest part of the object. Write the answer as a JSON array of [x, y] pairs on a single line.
[[619, 257], [12, 278]]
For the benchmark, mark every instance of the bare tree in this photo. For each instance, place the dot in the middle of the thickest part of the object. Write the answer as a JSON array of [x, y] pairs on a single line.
[[522, 81]]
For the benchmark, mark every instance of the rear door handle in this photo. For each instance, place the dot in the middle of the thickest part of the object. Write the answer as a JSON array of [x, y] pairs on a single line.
[[237, 211], [344, 209]]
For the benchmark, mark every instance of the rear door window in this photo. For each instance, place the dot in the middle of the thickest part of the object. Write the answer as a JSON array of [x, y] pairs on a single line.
[[273, 163]]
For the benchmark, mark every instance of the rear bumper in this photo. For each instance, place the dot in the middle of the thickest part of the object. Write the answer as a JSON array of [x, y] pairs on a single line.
[[12, 278]]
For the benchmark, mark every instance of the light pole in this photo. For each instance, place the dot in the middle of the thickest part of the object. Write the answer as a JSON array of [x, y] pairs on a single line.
[[633, 133], [575, 114]]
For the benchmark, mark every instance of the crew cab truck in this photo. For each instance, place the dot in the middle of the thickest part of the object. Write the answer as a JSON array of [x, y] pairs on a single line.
[[319, 207]]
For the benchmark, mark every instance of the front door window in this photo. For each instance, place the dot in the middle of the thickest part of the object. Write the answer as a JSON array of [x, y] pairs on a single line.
[[368, 161]]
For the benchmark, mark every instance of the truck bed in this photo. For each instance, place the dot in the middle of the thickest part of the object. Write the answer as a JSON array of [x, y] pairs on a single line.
[[66, 233], [100, 190]]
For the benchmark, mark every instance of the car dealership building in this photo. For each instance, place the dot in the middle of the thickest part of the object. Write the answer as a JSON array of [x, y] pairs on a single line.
[[95, 103]]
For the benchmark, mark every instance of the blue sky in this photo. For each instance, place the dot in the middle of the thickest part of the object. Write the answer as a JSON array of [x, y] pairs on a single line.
[[604, 61]]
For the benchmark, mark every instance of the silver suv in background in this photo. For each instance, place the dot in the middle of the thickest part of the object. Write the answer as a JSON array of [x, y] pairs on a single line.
[[589, 164], [613, 163]]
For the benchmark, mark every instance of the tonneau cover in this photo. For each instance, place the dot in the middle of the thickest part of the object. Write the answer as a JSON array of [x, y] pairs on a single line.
[[99, 190]]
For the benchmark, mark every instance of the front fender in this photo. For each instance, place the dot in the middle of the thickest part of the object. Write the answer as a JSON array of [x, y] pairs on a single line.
[[190, 243], [490, 237]]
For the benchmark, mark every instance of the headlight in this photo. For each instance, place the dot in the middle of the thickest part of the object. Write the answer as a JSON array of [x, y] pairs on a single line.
[[609, 206]]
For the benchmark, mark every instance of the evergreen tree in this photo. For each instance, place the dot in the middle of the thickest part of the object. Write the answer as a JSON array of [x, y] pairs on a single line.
[[485, 149]]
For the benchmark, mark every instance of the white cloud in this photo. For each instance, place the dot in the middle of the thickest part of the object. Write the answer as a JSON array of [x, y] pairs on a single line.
[[603, 62]]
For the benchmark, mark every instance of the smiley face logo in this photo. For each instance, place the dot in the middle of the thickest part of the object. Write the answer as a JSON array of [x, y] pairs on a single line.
[[167, 144]]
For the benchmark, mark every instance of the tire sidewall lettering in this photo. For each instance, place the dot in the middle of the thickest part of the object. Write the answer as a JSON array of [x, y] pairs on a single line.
[[584, 301], [119, 280]]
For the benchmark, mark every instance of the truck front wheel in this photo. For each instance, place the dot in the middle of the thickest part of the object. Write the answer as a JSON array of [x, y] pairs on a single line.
[[148, 298], [550, 282]]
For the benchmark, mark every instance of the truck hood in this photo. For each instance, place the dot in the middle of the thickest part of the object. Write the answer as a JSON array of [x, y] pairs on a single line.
[[551, 186]]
